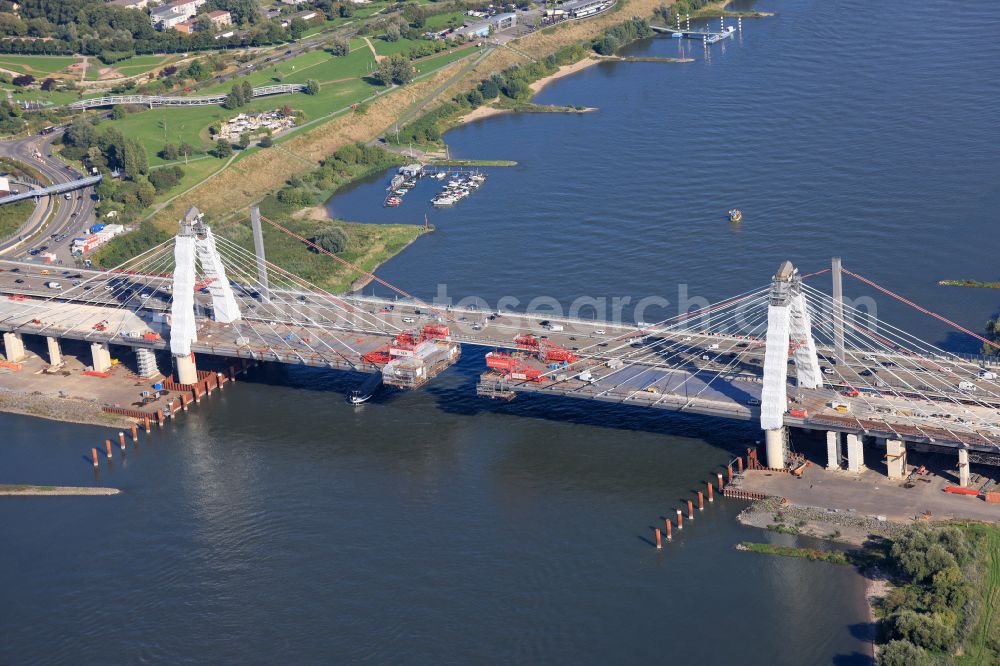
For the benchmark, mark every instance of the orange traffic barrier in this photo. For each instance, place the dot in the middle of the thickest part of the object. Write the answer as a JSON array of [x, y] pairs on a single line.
[[710, 499], [135, 433], [680, 519], [94, 452], [729, 468], [121, 440], [659, 540], [145, 420], [107, 445], [720, 481], [701, 500], [739, 465], [667, 525]]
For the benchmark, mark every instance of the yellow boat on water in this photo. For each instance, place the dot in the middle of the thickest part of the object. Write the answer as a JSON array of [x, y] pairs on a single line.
[[736, 215]]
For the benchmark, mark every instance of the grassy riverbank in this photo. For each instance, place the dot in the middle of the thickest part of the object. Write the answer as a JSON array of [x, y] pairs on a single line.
[[969, 283], [811, 554], [941, 603]]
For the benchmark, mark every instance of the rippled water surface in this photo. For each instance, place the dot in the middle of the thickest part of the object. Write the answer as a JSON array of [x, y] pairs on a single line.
[[276, 523]]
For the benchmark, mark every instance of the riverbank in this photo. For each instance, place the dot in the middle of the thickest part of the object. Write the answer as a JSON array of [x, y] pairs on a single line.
[[50, 491], [969, 283], [53, 408]]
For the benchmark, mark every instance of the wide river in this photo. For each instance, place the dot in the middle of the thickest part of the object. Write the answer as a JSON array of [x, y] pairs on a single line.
[[276, 523]]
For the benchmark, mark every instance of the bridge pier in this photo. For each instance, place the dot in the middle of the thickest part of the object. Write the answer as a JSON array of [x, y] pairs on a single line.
[[101, 354], [13, 346], [855, 454], [187, 373], [147, 362], [963, 468], [774, 442], [55, 351], [895, 458], [833, 450]]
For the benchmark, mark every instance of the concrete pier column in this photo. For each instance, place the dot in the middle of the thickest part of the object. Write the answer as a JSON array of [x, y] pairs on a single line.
[[833, 450], [187, 373], [895, 458], [55, 352], [147, 363], [855, 454], [13, 346], [774, 441], [101, 356], [963, 468]]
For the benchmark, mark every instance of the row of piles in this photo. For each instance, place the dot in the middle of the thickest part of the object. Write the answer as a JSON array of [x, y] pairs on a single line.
[[668, 525], [189, 393]]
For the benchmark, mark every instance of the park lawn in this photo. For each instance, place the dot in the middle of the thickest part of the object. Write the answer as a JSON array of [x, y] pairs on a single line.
[[384, 48], [36, 65], [368, 245], [52, 96], [190, 124], [440, 21], [354, 65], [195, 171], [132, 66], [442, 59]]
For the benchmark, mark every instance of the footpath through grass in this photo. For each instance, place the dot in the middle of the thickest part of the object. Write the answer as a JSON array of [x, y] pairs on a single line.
[[36, 65]]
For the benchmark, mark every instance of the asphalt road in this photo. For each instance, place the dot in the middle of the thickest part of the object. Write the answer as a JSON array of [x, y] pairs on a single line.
[[70, 216]]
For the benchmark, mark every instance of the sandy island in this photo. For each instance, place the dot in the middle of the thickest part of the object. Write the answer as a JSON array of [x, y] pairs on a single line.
[[39, 491]]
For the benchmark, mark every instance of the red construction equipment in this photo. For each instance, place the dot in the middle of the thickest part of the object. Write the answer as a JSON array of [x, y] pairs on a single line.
[[798, 413], [198, 286], [405, 343], [513, 366], [150, 336], [546, 350], [101, 325]]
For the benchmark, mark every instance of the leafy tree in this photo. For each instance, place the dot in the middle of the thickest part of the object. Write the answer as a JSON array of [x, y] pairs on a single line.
[[489, 89], [244, 141], [312, 87], [902, 653], [169, 152], [297, 27], [339, 47], [117, 112], [165, 178], [23, 80], [223, 149], [394, 69], [929, 631], [392, 33], [331, 239], [345, 9], [246, 90], [266, 142], [135, 161]]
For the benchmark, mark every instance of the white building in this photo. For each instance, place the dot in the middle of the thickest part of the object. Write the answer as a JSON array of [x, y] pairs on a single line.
[[168, 16]]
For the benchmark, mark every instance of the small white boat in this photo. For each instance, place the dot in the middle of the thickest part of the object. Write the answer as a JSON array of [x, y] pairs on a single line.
[[445, 200]]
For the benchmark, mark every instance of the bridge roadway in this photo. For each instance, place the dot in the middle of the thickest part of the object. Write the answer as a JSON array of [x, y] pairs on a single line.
[[705, 377]]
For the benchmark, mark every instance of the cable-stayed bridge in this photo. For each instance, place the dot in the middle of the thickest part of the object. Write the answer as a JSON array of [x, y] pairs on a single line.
[[786, 354]]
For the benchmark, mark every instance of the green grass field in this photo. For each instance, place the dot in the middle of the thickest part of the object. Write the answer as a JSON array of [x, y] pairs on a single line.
[[36, 65], [982, 645], [158, 126], [442, 59], [13, 215], [440, 21], [384, 48]]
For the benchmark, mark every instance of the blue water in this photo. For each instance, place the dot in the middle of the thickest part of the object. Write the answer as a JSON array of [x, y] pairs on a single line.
[[274, 522]]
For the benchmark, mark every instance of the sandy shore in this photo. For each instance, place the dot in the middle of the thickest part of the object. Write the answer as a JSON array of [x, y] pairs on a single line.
[[46, 491], [482, 112], [565, 70]]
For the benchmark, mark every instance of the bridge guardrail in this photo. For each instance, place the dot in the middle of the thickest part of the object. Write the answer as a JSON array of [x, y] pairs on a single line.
[[173, 100]]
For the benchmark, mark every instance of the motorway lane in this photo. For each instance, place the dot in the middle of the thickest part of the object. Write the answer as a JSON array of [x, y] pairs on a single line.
[[36, 152]]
